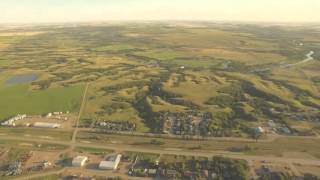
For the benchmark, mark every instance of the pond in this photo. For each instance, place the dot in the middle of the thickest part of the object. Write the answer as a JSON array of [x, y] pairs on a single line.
[[22, 78]]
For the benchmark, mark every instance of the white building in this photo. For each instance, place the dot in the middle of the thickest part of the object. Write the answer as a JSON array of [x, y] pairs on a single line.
[[79, 161], [11, 121], [260, 130], [110, 164], [46, 125], [49, 115]]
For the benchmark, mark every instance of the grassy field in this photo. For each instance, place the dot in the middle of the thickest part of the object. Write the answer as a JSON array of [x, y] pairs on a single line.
[[21, 99], [51, 134], [30, 146]]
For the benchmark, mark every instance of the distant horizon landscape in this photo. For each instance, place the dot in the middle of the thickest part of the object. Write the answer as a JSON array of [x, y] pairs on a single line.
[[160, 89]]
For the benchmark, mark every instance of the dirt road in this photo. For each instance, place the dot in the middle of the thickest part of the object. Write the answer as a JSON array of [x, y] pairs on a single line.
[[75, 131]]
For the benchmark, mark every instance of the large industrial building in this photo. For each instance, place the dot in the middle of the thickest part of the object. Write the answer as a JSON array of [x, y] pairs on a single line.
[[46, 125]]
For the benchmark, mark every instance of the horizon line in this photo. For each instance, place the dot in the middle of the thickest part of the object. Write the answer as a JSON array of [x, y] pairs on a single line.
[[161, 20]]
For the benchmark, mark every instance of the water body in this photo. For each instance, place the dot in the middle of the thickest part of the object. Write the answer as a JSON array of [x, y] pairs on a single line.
[[20, 79], [307, 59]]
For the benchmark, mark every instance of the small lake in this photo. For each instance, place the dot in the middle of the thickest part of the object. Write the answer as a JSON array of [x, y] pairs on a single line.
[[23, 78]]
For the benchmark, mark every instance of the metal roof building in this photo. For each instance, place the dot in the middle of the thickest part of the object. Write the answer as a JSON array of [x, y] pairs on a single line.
[[110, 164], [79, 161], [46, 125]]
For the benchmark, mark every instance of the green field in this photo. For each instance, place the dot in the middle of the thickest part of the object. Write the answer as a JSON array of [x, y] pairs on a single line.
[[19, 99]]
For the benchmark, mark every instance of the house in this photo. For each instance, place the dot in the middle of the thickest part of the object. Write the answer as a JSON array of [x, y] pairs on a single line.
[[79, 161], [46, 125], [214, 175], [285, 130], [46, 164], [48, 115], [259, 130], [111, 163], [205, 173], [57, 113], [271, 124], [152, 172], [170, 173]]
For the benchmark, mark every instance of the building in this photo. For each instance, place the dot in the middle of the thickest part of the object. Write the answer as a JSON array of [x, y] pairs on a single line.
[[11, 121], [79, 161], [48, 115], [111, 163], [14, 169], [271, 124], [259, 130], [152, 172], [57, 113], [46, 125]]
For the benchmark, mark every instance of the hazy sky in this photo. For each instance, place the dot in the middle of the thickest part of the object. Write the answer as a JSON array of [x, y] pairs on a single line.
[[27, 11]]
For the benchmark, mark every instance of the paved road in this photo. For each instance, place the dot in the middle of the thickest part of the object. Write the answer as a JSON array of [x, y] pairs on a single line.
[[269, 138], [120, 147]]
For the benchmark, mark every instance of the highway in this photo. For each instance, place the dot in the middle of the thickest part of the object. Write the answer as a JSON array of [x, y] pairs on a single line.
[[172, 151]]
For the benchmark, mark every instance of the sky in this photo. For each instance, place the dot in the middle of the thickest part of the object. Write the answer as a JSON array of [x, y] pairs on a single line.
[[52, 11]]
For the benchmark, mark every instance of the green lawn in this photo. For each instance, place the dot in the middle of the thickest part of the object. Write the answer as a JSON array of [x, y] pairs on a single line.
[[18, 99]]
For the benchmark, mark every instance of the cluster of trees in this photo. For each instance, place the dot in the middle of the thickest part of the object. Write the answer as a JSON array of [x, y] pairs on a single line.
[[217, 168], [114, 107], [115, 88]]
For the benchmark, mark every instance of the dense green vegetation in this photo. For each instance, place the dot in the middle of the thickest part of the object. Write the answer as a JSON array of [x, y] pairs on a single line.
[[220, 167]]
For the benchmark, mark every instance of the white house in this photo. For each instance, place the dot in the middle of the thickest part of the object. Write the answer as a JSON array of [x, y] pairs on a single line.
[[110, 164], [46, 125], [79, 161], [49, 115], [260, 130]]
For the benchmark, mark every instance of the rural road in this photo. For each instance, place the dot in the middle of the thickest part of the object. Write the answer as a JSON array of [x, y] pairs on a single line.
[[72, 171], [75, 131], [27, 177], [307, 59]]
